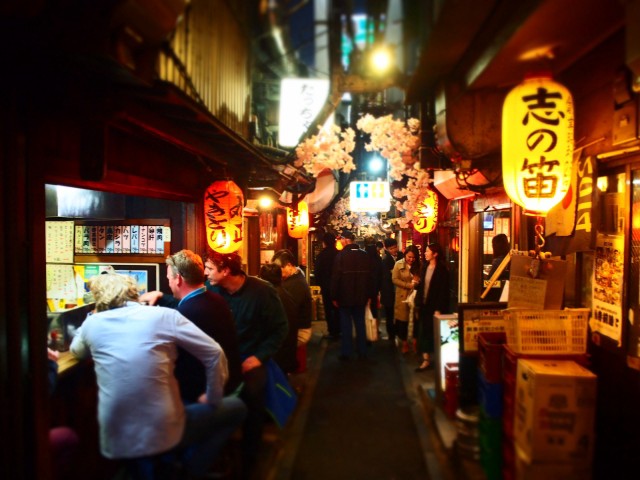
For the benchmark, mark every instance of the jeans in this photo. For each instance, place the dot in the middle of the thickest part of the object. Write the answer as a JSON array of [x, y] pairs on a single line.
[[331, 316], [347, 315], [253, 394], [206, 430]]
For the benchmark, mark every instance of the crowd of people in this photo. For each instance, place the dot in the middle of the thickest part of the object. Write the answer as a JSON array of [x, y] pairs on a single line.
[[179, 372], [407, 288]]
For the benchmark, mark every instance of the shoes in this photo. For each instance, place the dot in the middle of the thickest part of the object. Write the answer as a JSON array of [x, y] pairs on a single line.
[[424, 366]]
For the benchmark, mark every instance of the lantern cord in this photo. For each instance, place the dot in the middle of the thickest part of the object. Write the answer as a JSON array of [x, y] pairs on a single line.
[[539, 240]]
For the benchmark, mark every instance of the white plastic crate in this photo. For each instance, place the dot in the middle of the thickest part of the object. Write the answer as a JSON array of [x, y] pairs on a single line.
[[547, 332]]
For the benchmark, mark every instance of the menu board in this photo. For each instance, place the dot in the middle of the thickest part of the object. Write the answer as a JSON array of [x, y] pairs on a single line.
[[607, 286], [118, 239], [60, 242]]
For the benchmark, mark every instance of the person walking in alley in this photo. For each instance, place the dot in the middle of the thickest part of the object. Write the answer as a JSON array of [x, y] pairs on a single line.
[[432, 298], [405, 276], [323, 269], [296, 297], [387, 289], [261, 323], [141, 416], [352, 287]]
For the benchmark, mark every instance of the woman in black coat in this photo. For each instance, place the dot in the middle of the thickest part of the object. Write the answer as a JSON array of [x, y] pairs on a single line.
[[432, 298]]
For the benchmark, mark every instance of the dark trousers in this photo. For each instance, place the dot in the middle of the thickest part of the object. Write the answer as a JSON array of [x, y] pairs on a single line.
[[426, 337], [348, 315], [253, 395], [390, 321], [331, 315], [402, 330]]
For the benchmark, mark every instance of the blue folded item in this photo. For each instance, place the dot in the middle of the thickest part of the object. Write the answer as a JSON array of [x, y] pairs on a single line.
[[281, 399]]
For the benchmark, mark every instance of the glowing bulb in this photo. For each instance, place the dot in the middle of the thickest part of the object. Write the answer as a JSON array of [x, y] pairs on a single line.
[[265, 202], [381, 59]]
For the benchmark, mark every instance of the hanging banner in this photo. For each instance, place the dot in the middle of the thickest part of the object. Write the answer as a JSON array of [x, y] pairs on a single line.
[[606, 317], [570, 225]]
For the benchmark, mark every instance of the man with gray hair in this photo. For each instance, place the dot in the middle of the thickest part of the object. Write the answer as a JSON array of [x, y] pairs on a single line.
[[209, 311], [141, 416]]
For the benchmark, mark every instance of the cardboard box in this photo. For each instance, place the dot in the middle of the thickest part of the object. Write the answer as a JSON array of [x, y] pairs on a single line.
[[576, 470], [554, 411]]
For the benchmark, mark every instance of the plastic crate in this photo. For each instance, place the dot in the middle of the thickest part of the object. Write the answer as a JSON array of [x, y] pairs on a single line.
[[547, 332], [490, 348], [490, 397]]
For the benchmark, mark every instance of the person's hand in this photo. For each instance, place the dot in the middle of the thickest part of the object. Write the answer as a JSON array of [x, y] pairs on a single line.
[[52, 354], [202, 398], [150, 297], [250, 363]]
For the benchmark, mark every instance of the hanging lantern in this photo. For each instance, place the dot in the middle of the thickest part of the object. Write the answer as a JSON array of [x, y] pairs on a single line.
[[537, 144], [339, 245], [298, 220], [426, 215], [223, 204], [455, 244]]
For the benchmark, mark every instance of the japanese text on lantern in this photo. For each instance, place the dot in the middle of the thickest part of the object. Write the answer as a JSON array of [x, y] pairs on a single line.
[[541, 118], [223, 204]]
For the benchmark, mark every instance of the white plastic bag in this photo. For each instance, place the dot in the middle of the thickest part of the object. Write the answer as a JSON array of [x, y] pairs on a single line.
[[370, 325]]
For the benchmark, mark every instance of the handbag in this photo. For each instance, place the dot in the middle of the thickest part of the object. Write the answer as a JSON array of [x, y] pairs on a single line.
[[371, 325], [280, 398]]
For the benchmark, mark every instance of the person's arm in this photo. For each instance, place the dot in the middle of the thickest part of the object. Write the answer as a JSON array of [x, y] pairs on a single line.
[[79, 347], [273, 318], [396, 277], [336, 273], [208, 351], [305, 315]]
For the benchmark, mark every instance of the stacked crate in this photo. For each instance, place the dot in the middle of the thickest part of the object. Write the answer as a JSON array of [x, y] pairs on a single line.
[[451, 389], [490, 388], [546, 336]]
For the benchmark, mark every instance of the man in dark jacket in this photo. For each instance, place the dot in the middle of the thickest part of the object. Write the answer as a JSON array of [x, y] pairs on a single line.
[[387, 289], [352, 287], [323, 269], [209, 311], [296, 298]]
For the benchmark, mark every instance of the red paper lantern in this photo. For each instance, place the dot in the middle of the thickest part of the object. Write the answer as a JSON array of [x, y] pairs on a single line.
[[426, 216], [298, 220], [223, 206]]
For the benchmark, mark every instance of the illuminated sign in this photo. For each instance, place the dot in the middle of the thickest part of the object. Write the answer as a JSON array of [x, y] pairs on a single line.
[[301, 99], [537, 144], [369, 197]]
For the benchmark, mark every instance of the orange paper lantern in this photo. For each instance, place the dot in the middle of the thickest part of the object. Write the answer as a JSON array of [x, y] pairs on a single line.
[[537, 144], [426, 216], [298, 220], [223, 205]]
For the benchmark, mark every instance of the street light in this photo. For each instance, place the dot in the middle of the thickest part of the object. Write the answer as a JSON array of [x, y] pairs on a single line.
[[376, 164], [380, 59]]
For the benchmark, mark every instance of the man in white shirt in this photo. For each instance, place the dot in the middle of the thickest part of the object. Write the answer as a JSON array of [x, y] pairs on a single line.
[[141, 415]]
